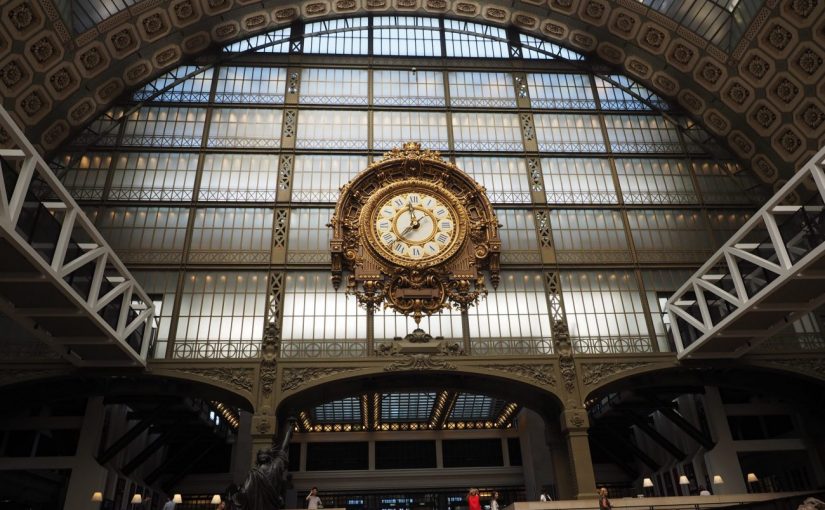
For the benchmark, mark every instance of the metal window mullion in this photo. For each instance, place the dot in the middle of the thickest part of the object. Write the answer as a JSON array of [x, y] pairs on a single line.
[[651, 330]]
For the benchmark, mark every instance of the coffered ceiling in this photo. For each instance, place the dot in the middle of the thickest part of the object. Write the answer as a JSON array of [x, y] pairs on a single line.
[[761, 91]]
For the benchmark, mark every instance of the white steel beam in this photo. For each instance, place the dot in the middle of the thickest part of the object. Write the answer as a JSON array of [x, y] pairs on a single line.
[[759, 308]]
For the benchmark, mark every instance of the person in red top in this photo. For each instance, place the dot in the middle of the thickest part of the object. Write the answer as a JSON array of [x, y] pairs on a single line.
[[473, 500]]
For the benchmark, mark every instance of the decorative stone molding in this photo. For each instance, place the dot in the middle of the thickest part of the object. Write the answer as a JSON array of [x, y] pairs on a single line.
[[594, 373], [540, 374], [237, 378], [419, 362], [294, 378]]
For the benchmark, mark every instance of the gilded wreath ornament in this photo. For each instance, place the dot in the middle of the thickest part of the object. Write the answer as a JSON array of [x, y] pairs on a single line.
[[414, 233]]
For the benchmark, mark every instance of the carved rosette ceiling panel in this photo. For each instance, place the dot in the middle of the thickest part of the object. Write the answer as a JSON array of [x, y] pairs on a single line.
[[413, 233], [49, 75]]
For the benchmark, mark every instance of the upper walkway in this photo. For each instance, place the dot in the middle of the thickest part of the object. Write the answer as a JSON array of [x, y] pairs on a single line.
[[767, 275], [59, 279]]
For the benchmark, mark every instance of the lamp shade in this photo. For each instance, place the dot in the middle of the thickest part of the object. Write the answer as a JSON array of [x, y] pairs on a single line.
[[752, 478], [97, 497], [683, 480], [216, 499], [177, 499], [136, 499], [718, 480], [647, 482]]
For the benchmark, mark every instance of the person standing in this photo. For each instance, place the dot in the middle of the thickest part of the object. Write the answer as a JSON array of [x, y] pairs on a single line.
[[169, 505], [545, 495], [494, 501], [313, 501], [473, 501], [604, 502]]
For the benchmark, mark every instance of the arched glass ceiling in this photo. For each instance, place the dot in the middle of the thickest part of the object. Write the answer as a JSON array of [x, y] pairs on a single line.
[[720, 22], [424, 410]]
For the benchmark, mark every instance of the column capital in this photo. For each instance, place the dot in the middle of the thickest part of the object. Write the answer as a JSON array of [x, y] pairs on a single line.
[[574, 421]]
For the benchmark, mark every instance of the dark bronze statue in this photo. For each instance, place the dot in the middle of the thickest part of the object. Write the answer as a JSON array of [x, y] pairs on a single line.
[[265, 484]]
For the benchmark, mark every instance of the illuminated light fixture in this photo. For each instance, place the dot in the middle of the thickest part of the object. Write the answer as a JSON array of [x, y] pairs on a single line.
[[137, 499], [647, 482], [752, 478], [177, 499], [718, 480], [97, 497], [216, 499], [683, 480]]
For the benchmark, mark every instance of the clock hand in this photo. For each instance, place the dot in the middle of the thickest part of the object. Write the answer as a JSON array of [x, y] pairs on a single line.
[[413, 220]]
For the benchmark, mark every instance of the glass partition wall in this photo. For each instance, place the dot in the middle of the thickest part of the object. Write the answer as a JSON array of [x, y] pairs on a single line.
[[218, 190]]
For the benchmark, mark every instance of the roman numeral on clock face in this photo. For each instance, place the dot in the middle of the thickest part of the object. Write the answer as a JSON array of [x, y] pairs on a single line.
[[442, 237], [388, 237]]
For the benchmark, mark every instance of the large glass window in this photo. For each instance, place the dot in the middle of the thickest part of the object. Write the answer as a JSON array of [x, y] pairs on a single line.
[[86, 178], [469, 88], [332, 129], [407, 87], [313, 310], [260, 85], [231, 235], [406, 36], [309, 236], [561, 91], [605, 312], [589, 236], [334, 86], [154, 176], [245, 127], [569, 133], [487, 132], [221, 315], [615, 183], [145, 234], [165, 126], [578, 181], [504, 178], [239, 177], [430, 128], [655, 181]]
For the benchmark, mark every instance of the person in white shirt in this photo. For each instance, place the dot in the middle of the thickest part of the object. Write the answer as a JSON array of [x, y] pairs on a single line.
[[703, 491], [313, 501], [494, 501], [545, 496], [169, 505]]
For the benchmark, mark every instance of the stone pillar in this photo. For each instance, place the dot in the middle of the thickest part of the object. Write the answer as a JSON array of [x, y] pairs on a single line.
[[574, 425], [87, 475], [538, 464], [242, 449], [723, 459]]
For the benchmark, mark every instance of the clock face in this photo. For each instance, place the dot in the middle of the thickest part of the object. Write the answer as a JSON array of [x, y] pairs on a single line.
[[416, 226]]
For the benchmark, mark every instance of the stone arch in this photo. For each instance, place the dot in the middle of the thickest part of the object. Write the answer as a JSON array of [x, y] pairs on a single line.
[[717, 87], [530, 385], [44, 385], [787, 377]]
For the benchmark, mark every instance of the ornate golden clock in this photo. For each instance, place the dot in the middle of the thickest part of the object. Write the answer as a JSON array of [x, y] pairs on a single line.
[[415, 233]]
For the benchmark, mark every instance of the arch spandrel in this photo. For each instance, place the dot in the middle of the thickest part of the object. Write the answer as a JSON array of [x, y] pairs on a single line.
[[135, 46]]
